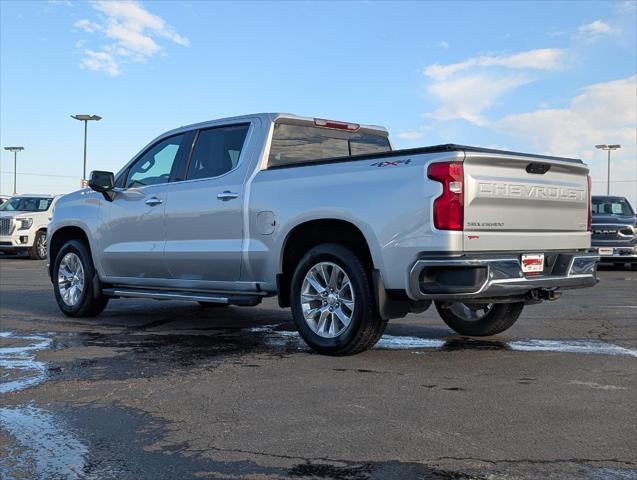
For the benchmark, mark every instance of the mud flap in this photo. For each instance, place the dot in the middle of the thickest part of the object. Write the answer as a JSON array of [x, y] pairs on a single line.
[[97, 287], [389, 308]]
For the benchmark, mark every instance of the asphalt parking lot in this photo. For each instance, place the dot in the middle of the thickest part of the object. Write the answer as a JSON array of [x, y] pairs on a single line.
[[168, 390]]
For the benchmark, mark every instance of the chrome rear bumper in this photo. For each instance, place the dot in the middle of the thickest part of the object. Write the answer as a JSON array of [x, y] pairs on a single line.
[[458, 278], [619, 253]]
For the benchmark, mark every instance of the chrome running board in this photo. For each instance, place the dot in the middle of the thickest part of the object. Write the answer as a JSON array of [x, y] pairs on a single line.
[[238, 299]]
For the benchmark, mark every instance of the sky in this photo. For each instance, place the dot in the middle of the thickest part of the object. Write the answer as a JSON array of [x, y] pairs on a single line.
[[543, 77]]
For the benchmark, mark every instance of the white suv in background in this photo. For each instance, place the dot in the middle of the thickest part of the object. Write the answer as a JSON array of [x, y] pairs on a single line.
[[24, 220]]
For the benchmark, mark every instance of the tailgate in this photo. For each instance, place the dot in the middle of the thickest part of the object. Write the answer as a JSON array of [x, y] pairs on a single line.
[[524, 203]]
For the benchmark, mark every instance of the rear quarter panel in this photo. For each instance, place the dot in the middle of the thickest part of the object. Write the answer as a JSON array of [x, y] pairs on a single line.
[[390, 204]]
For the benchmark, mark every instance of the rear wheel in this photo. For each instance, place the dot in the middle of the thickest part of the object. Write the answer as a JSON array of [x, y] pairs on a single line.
[[333, 303], [39, 249], [479, 319], [73, 274]]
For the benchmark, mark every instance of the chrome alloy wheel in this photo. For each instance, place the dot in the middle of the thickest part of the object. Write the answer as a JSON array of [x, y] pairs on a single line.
[[327, 300], [471, 312], [71, 279], [41, 246]]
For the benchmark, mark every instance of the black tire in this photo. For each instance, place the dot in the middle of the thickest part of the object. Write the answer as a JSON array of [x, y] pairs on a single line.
[[88, 304], [501, 317], [35, 251], [633, 266], [365, 327]]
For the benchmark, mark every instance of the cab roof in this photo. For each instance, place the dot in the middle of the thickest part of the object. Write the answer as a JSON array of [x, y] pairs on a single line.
[[279, 117]]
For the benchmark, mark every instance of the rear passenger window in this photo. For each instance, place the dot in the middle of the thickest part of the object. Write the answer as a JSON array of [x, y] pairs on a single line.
[[217, 151]]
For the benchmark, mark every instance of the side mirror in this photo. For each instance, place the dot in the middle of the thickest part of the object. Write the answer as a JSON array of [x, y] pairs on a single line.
[[103, 182]]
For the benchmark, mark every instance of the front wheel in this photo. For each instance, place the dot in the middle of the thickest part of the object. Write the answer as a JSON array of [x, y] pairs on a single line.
[[73, 274], [39, 249], [479, 319], [333, 303]]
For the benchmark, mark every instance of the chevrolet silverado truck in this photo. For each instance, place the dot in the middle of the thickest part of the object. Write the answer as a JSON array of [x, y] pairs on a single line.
[[615, 230], [325, 215], [24, 220]]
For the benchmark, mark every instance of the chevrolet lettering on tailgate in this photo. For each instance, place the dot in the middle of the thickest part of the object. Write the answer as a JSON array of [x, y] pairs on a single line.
[[513, 190]]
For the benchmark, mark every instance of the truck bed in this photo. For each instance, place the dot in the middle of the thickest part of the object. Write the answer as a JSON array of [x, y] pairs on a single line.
[[447, 147], [512, 201]]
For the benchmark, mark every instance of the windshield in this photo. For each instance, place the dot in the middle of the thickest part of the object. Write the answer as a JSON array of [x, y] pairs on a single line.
[[26, 204], [612, 206]]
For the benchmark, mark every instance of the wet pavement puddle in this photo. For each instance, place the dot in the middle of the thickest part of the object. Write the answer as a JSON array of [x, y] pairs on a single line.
[[390, 342], [47, 445], [572, 346], [18, 360], [49, 450]]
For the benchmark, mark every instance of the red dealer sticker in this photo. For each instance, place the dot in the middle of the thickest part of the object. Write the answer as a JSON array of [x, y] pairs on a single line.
[[533, 263]]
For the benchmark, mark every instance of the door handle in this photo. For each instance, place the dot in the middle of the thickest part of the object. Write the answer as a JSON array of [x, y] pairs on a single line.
[[152, 201], [227, 195]]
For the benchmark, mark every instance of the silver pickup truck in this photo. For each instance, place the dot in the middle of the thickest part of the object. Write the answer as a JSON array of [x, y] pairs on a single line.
[[325, 215]]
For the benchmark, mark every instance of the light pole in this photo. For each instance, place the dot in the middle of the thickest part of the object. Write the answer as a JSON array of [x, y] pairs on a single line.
[[15, 151], [608, 148], [85, 119]]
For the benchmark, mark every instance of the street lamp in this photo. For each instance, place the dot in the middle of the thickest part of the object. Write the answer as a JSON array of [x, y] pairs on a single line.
[[608, 148], [15, 151], [85, 119]]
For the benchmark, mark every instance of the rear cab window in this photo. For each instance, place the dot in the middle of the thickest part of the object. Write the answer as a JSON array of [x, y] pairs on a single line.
[[306, 144]]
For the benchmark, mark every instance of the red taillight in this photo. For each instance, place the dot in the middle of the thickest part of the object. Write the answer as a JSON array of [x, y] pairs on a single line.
[[448, 207], [320, 122], [589, 225]]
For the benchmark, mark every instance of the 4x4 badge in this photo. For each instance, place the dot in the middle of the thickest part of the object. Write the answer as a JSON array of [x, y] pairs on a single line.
[[391, 163]]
